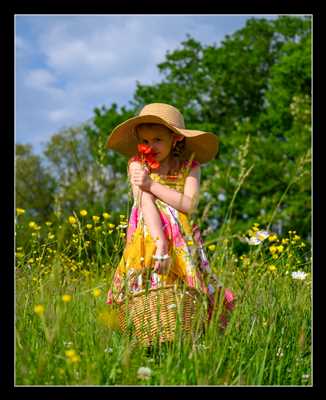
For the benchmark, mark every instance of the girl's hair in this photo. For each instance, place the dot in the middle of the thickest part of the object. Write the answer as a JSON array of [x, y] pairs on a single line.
[[179, 147]]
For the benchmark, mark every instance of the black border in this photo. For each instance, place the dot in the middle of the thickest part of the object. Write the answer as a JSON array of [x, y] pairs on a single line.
[[8, 208]]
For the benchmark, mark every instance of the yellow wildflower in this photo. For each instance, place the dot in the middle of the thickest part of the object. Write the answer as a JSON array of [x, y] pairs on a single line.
[[106, 215], [89, 226], [97, 292], [51, 236], [83, 213], [285, 241], [273, 249], [296, 237], [280, 248], [95, 218], [48, 223], [74, 359], [39, 309], [212, 247], [32, 225], [272, 238], [111, 225], [190, 243], [66, 298], [20, 211], [72, 220], [19, 254], [70, 353], [272, 268]]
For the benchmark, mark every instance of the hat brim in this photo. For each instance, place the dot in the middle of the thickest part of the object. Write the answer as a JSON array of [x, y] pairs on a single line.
[[204, 145]]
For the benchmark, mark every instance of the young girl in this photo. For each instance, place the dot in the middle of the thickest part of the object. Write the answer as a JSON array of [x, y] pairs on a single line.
[[163, 246]]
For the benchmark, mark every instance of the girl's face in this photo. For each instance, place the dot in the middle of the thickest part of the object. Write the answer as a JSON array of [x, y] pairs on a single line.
[[159, 138]]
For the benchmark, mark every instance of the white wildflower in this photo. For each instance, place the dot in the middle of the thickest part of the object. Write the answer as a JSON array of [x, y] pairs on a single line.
[[299, 275], [144, 373]]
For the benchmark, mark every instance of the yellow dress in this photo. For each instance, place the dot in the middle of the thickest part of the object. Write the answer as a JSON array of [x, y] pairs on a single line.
[[189, 264]]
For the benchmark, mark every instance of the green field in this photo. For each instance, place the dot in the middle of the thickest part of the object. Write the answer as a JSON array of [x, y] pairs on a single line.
[[67, 335]]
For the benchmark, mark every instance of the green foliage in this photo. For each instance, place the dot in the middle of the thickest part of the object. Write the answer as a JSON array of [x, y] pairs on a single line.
[[35, 187], [255, 83]]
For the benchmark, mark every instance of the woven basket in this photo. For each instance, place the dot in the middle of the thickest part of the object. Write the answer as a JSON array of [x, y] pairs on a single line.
[[156, 314]]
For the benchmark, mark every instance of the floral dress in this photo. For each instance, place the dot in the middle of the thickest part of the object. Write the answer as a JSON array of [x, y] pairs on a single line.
[[189, 264]]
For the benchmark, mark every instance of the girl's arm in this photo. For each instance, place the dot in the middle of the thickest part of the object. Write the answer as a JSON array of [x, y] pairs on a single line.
[[185, 202], [150, 212]]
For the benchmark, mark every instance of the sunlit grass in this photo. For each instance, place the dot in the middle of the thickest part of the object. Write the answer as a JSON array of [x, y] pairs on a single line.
[[67, 335]]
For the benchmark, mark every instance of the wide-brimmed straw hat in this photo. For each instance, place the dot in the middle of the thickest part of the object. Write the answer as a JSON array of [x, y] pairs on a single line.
[[204, 145]]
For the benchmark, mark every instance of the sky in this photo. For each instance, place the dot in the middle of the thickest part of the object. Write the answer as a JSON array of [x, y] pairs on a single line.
[[67, 65]]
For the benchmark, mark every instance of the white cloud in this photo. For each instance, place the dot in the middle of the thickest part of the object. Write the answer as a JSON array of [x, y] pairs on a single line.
[[39, 79], [77, 63]]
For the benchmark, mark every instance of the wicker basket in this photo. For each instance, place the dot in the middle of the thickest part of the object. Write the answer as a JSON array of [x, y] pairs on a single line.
[[155, 315]]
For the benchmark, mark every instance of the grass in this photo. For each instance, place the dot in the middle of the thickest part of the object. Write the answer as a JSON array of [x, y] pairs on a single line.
[[72, 337], [67, 335]]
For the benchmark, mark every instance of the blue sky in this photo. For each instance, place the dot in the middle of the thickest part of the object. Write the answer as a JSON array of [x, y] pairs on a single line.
[[65, 66]]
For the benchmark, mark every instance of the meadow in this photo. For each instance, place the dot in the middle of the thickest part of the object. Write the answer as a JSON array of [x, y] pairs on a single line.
[[66, 334]]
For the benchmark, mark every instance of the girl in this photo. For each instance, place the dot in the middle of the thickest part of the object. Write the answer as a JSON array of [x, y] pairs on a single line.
[[163, 246]]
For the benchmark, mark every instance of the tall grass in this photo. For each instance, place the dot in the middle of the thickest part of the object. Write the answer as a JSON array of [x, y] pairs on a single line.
[[67, 335]]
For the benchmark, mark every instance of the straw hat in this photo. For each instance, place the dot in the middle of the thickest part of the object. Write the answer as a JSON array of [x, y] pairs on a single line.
[[204, 145]]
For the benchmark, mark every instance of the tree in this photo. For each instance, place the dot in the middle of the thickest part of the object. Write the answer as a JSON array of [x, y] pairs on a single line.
[[35, 187], [249, 85]]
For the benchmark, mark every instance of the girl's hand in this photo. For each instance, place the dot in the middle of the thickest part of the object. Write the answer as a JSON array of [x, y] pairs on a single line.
[[140, 177], [162, 266]]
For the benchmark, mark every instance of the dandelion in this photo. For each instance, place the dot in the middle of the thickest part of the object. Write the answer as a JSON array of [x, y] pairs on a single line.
[[20, 211], [72, 357], [300, 275], [39, 309], [212, 247], [89, 226], [280, 248], [95, 218], [66, 298], [144, 373], [272, 237], [272, 268], [70, 353], [72, 220], [33, 225], [83, 213], [273, 249], [106, 215], [97, 292]]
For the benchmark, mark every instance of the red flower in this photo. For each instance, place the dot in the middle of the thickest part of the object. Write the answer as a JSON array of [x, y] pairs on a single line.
[[147, 156], [144, 149]]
